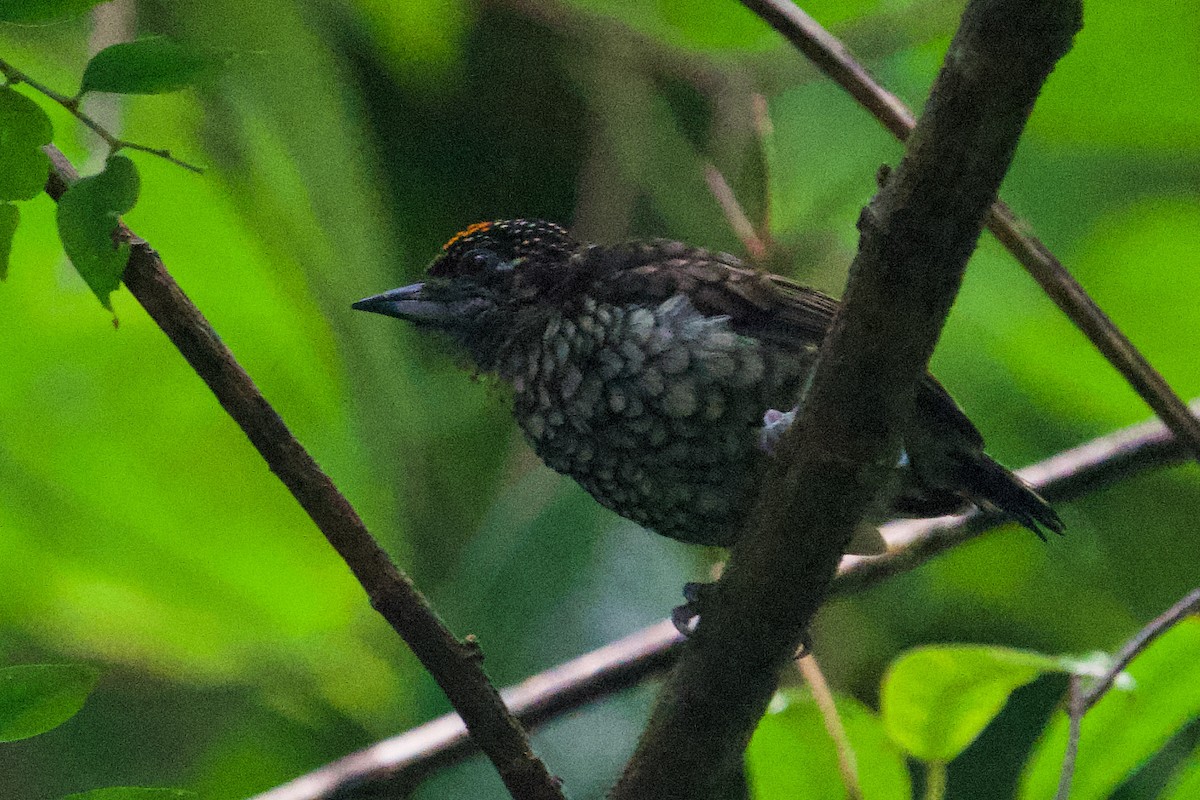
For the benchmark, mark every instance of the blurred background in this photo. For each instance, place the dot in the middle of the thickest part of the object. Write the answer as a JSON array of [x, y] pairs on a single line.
[[346, 140]]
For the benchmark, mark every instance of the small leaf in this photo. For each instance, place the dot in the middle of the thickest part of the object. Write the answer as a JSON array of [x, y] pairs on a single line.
[[24, 128], [43, 10], [793, 756], [155, 65], [87, 220], [131, 793], [10, 215], [936, 700], [35, 698]]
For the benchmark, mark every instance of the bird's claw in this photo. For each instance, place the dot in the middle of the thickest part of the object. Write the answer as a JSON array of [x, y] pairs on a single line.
[[686, 617]]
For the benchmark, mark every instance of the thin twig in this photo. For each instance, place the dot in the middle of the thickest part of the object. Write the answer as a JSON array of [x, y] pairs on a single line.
[[765, 130], [1075, 714], [1189, 605], [1081, 700], [405, 758], [823, 696], [454, 665], [832, 58], [72, 104], [735, 215]]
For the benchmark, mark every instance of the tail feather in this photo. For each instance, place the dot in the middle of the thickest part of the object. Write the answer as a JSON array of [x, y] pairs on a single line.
[[991, 483]]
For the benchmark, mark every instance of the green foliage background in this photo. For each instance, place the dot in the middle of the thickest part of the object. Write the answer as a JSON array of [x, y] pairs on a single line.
[[347, 140]]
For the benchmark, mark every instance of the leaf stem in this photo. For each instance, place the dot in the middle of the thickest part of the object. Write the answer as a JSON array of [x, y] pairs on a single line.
[[935, 780], [72, 104]]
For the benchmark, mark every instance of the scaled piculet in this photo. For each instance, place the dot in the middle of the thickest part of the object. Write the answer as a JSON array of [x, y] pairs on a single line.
[[644, 371]]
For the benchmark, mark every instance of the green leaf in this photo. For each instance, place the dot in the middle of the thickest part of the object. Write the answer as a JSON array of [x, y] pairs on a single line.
[[24, 128], [936, 700], [10, 215], [87, 219], [1125, 728], [792, 755], [1108, 61], [148, 66], [131, 793], [43, 10], [35, 698]]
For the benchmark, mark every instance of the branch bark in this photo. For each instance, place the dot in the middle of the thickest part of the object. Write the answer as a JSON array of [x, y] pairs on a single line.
[[403, 760], [453, 664], [917, 235], [832, 58]]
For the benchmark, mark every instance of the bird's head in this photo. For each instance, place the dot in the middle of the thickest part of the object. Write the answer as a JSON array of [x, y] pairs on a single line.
[[485, 286]]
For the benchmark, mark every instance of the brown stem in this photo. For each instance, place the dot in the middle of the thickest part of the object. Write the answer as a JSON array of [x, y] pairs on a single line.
[[917, 235], [832, 58], [823, 697], [454, 665], [735, 215]]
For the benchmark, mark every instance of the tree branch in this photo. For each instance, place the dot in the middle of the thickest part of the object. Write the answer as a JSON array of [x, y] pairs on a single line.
[[403, 760], [832, 58], [454, 665], [917, 235]]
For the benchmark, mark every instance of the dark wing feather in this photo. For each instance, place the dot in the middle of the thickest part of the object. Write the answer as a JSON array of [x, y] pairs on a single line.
[[758, 304]]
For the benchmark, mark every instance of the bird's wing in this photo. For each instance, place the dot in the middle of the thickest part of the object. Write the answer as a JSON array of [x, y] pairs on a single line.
[[717, 284], [758, 304]]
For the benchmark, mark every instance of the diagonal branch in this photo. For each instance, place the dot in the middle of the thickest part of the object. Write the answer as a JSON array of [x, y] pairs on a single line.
[[832, 58], [403, 760], [916, 237], [454, 665]]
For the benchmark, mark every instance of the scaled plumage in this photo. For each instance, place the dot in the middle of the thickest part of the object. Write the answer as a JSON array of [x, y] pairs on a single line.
[[644, 370]]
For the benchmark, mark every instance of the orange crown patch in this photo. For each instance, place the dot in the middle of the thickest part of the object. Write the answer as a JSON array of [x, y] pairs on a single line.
[[476, 228]]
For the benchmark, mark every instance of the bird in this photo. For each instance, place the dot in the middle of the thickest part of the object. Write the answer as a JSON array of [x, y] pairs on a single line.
[[653, 374]]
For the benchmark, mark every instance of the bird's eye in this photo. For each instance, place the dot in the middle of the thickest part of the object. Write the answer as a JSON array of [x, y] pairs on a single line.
[[485, 261]]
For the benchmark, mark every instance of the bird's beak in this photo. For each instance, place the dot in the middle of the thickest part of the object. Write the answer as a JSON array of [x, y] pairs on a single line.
[[404, 303], [412, 304]]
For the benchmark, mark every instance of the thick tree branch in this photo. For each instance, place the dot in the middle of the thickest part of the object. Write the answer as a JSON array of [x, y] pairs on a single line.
[[832, 58], [404, 760], [917, 235], [454, 665]]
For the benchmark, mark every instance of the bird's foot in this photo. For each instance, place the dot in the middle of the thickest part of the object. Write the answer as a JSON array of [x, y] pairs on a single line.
[[775, 426], [686, 617]]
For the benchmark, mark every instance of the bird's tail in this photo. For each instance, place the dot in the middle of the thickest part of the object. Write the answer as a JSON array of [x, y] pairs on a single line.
[[991, 483]]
